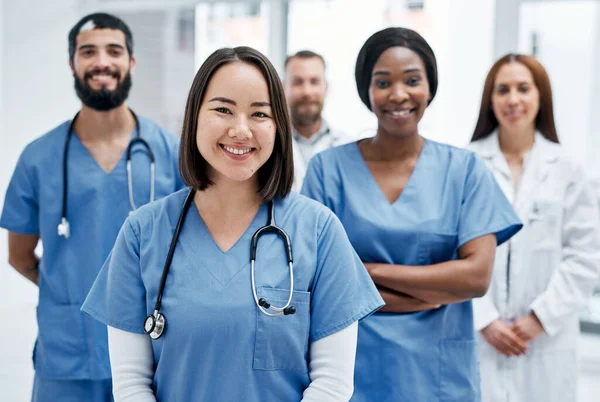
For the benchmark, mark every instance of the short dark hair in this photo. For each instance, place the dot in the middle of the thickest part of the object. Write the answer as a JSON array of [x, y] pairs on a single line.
[[276, 176], [304, 54], [378, 43], [100, 21]]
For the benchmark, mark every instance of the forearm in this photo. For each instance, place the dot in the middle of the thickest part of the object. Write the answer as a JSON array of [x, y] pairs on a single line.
[[396, 302], [331, 367], [21, 255], [448, 282], [26, 265]]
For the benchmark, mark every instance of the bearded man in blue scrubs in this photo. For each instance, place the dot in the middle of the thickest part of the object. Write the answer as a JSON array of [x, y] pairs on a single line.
[[70, 190]]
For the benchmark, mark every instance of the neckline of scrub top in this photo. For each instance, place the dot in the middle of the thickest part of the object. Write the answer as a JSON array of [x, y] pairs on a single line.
[[88, 154], [368, 175], [254, 225]]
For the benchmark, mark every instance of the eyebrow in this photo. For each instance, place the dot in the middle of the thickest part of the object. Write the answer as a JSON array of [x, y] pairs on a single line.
[[407, 71], [510, 83], [113, 45], [232, 102]]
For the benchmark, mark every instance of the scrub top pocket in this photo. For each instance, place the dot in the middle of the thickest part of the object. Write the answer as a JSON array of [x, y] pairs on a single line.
[[435, 248], [282, 342], [59, 349]]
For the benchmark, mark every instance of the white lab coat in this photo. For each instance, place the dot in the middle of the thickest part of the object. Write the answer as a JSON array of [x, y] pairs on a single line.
[[331, 139], [552, 269]]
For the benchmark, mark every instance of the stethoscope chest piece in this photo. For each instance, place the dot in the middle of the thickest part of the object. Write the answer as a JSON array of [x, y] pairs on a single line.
[[154, 325]]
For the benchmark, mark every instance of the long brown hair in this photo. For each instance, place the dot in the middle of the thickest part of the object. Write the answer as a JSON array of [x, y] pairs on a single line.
[[544, 121]]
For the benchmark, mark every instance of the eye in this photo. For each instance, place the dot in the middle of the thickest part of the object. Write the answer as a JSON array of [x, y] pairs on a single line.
[[381, 84], [223, 110], [260, 115], [502, 90], [524, 89], [87, 53], [413, 82], [115, 52]]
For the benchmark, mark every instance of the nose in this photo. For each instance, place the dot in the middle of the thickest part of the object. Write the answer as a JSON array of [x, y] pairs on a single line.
[[102, 60], [513, 97], [240, 130], [398, 93]]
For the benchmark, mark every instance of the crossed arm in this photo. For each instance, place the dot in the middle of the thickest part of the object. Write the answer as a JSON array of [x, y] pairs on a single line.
[[416, 288]]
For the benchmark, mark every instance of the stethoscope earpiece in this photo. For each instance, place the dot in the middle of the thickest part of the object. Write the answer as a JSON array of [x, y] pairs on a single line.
[[289, 310]]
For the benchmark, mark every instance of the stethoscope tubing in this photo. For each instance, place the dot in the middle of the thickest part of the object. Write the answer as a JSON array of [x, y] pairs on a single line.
[[63, 227]]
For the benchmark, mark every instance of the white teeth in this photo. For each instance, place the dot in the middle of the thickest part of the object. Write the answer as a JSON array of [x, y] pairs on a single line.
[[236, 151], [399, 113], [102, 77]]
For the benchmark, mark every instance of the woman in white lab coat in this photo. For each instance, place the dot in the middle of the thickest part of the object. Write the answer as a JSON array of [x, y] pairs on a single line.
[[544, 276]]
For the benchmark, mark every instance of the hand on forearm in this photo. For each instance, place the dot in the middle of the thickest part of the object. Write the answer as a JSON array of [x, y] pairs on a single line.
[[431, 297], [436, 297], [396, 302], [467, 277]]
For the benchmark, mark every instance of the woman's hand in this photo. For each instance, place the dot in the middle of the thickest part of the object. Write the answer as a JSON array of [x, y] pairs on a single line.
[[504, 339], [528, 328]]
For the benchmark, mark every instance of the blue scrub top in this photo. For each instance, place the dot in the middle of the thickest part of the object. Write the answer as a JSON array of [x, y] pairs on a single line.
[[450, 199], [70, 344], [217, 345]]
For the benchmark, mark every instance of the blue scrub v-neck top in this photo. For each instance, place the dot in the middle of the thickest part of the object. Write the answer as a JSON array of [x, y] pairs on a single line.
[[71, 345], [450, 199], [217, 345]]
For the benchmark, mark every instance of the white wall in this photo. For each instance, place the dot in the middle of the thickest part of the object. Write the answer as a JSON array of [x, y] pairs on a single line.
[[567, 37], [36, 94]]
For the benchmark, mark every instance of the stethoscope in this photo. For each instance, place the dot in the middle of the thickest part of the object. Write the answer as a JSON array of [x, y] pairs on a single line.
[[154, 324], [64, 228]]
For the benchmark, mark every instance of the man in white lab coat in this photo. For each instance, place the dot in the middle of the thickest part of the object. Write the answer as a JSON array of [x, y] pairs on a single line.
[[305, 89]]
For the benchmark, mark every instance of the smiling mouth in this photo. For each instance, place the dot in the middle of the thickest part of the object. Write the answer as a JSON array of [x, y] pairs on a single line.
[[399, 113], [237, 151]]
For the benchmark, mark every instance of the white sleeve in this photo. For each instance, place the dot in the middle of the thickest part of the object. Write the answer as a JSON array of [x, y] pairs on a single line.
[[331, 367], [572, 284], [132, 366], [484, 312]]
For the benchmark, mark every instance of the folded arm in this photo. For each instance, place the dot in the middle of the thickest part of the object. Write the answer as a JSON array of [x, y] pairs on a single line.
[[447, 282]]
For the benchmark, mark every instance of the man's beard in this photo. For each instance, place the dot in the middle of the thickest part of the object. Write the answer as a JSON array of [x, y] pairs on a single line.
[[305, 118], [103, 99]]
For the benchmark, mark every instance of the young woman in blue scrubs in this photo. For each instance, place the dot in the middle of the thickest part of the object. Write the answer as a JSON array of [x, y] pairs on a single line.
[[425, 218], [236, 155]]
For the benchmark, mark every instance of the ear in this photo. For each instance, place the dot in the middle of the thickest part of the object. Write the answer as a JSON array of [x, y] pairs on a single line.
[[132, 65], [71, 66]]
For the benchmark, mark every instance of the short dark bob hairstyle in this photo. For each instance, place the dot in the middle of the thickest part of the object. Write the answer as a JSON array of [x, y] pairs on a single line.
[[276, 176], [378, 43], [544, 121]]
